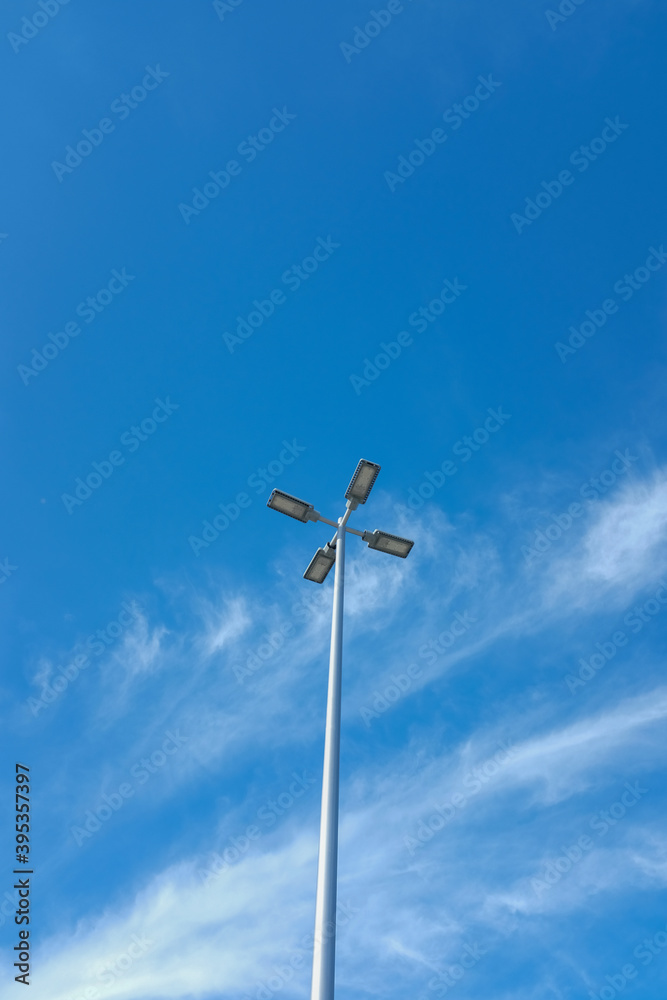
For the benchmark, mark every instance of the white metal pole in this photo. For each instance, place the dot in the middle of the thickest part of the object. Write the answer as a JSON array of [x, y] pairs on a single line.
[[324, 952]]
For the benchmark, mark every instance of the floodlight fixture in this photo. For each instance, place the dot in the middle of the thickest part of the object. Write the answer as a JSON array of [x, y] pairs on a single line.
[[384, 542], [320, 564], [362, 481], [292, 506]]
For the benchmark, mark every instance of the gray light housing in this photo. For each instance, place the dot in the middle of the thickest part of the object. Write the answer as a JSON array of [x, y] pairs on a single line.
[[285, 503], [384, 542], [320, 564], [362, 481]]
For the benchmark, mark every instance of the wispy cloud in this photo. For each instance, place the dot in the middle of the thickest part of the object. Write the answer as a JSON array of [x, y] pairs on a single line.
[[623, 551], [223, 936]]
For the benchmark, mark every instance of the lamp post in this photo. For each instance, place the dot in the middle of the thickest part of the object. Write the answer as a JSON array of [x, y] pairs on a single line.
[[324, 951]]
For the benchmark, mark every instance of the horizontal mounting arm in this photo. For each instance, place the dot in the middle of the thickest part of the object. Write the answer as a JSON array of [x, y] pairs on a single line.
[[334, 524]]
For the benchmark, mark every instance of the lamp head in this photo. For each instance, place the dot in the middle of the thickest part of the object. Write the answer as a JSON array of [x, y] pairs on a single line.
[[384, 542], [362, 481], [292, 506]]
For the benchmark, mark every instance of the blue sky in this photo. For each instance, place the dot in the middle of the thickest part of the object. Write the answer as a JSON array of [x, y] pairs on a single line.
[[439, 244]]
